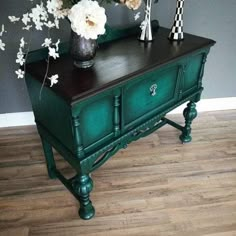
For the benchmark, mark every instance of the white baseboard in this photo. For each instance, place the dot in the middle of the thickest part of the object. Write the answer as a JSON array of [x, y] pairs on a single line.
[[214, 104], [16, 119]]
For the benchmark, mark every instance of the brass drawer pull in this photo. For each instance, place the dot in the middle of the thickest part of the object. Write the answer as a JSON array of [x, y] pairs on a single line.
[[153, 89]]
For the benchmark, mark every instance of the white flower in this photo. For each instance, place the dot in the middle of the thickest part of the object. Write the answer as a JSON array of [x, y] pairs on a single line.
[[47, 42], [41, 11], [2, 45], [53, 53], [28, 27], [39, 26], [20, 53], [2, 30], [87, 19], [50, 24], [137, 15], [22, 43], [20, 74], [13, 19], [26, 19], [53, 79], [20, 60], [20, 57], [54, 7], [57, 44], [56, 23], [39, 15]]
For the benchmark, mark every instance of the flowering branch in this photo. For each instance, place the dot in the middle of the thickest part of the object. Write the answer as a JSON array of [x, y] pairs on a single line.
[[28, 49], [87, 20], [53, 49], [38, 17], [2, 44]]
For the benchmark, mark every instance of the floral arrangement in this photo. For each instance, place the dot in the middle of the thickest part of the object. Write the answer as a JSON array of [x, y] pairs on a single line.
[[90, 22], [87, 19]]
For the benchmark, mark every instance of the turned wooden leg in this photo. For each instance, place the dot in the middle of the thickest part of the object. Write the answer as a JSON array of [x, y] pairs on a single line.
[[189, 113], [83, 185], [49, 157]]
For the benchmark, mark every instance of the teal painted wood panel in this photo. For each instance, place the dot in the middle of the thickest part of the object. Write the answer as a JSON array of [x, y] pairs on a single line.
[[192, 72], [96, 120], [51, 112], [140, 101]]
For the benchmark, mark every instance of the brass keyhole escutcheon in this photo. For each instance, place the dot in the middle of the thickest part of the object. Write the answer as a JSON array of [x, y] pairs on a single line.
[[153, 89]]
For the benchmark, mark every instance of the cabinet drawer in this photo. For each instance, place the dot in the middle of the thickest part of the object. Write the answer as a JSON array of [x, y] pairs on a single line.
[[150, 93]]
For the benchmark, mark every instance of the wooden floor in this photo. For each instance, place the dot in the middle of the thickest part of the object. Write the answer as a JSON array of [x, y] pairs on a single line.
[[156, 186]]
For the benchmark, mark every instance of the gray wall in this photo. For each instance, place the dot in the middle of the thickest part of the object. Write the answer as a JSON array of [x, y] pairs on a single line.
[[215, 19], [13, 94]]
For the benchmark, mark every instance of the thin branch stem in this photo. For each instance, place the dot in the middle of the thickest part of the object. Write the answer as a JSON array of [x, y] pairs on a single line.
[[46, 73], [45, 77], [27, 51]]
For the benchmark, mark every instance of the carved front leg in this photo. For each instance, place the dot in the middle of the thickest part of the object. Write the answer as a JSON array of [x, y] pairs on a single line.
[[189, 113], [83, 185]]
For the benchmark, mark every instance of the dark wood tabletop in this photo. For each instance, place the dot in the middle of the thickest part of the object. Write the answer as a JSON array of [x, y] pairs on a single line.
[[115, 63]]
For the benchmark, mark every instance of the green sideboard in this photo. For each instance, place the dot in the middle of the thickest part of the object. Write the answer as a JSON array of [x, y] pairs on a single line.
[[91, 114]]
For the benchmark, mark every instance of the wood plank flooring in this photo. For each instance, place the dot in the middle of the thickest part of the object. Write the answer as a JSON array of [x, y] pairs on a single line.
[[156, 186]]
